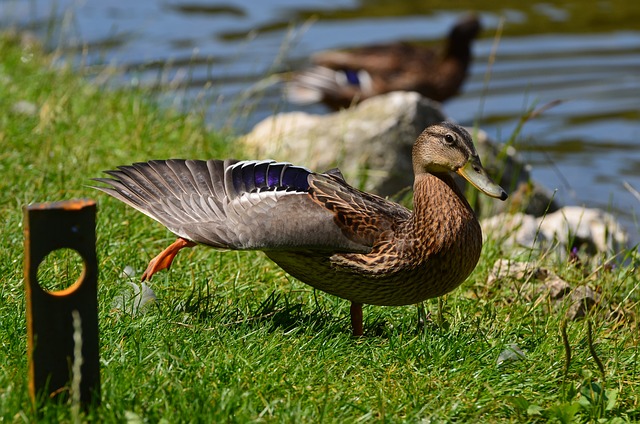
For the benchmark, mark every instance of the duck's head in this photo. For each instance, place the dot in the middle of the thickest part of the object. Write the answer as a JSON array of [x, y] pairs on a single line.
[[466, 29], [446, 147]]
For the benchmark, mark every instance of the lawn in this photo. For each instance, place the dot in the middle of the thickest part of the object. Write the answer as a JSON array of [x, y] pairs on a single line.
[[232, 338]]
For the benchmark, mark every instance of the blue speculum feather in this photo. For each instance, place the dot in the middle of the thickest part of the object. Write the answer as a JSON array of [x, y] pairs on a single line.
[[296, 178], [236, 176], [260, 174], [273, 175], [269, 176], [352, 76], [248, 177]]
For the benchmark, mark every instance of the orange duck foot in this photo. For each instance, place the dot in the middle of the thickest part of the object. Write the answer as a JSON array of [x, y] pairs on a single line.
[[164, 259]]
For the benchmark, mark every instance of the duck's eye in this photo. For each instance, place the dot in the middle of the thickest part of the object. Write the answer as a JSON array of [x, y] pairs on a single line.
[[448, 138]]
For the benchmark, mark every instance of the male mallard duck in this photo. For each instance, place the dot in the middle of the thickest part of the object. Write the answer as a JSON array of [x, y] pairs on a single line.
[[318, 228], [342, 78]]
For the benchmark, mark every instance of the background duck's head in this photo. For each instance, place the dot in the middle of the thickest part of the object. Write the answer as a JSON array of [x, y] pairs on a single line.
[[446, 147], [465, 30]]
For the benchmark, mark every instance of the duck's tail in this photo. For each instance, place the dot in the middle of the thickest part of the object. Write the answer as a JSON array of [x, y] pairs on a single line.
[[320, 83]]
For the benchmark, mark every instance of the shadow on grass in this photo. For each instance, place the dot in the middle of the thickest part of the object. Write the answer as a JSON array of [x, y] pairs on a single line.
[[278, 313], [275, 313]]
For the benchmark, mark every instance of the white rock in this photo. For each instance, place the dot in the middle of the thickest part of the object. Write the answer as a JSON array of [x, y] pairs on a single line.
[[575, 225], [507, 269], [513, 230], [570, 226]]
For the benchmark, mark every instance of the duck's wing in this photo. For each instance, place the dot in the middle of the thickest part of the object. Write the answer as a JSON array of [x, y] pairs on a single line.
[[263, 205], [363, 217]]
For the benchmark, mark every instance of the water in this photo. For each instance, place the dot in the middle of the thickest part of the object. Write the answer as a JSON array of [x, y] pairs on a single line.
[[586, 53]]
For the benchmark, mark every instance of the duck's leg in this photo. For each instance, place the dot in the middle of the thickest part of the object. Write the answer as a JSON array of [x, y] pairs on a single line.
[[422, 316], [164, 259], [356, 319]]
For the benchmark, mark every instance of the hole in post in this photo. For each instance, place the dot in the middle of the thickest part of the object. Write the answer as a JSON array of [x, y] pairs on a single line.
[[59, 270]]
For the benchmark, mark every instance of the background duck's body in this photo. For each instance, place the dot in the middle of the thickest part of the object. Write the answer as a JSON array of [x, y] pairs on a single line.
[[318, 228], [342, 78]]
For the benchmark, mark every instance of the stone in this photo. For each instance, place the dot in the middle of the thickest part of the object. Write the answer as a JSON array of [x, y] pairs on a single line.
[[568, 227], [515, 270], [583, 298], [575, 226], [514, 231], [537, 282], [556, 287], [371, 144]]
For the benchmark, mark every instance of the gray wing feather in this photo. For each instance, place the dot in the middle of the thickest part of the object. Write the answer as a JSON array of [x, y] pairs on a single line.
[[204, 201]]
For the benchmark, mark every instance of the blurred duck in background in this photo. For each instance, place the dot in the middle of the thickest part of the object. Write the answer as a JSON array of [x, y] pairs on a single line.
[[342, 78]]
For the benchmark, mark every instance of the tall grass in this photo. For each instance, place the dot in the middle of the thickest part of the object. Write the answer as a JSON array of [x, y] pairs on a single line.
[[233, 338]]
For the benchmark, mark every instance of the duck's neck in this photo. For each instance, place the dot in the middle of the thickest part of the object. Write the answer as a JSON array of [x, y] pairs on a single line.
[[459, 50], [436, 196]]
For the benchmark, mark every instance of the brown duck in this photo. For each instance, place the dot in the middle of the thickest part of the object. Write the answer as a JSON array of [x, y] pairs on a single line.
[[318, 228], [342, 78]]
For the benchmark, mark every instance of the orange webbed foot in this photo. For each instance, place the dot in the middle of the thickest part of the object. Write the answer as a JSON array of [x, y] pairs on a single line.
[[165, 258]]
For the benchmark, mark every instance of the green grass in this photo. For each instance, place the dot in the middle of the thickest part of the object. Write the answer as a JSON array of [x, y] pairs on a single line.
[[233, 338]]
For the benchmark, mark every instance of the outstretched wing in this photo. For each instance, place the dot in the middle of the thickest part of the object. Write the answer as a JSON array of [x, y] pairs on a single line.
[[232, 204]]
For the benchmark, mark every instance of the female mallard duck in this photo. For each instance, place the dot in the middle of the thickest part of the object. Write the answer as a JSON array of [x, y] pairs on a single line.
[[342, 78], [318, 228]]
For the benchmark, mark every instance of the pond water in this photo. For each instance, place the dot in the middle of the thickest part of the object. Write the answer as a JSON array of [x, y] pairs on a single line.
[[585, 53]]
